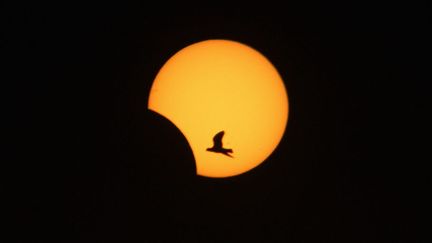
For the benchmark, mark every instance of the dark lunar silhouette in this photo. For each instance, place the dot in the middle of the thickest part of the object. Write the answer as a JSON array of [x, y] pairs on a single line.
[[217, 145]]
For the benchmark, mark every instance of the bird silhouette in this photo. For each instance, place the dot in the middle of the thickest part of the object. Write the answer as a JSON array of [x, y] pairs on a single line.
[[217, 145]]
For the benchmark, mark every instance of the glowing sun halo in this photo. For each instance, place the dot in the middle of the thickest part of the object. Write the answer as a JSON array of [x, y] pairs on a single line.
[[221, 85]]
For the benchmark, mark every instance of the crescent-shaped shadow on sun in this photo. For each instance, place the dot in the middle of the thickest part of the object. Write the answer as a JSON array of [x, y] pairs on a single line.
[[165, 150], [161, 173]]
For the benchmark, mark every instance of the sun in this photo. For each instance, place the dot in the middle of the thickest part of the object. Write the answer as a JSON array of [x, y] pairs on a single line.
[[223, 95]]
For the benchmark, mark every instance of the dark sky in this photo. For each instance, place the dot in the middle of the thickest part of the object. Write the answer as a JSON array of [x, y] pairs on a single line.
[[85, 161]]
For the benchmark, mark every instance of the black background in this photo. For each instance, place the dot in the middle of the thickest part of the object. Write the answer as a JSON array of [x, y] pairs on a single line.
[[85, 161]]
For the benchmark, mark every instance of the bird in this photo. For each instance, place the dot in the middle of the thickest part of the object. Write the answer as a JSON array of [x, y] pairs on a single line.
[[217, 145]]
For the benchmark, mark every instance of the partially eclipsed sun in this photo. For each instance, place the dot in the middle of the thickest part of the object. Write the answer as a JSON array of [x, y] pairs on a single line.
[[220, 85]]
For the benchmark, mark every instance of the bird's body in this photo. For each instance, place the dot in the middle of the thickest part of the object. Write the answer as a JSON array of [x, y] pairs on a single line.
[[217, 145]]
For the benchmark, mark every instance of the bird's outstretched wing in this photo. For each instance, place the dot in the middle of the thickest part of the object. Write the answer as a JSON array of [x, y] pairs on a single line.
[[217, 139]]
